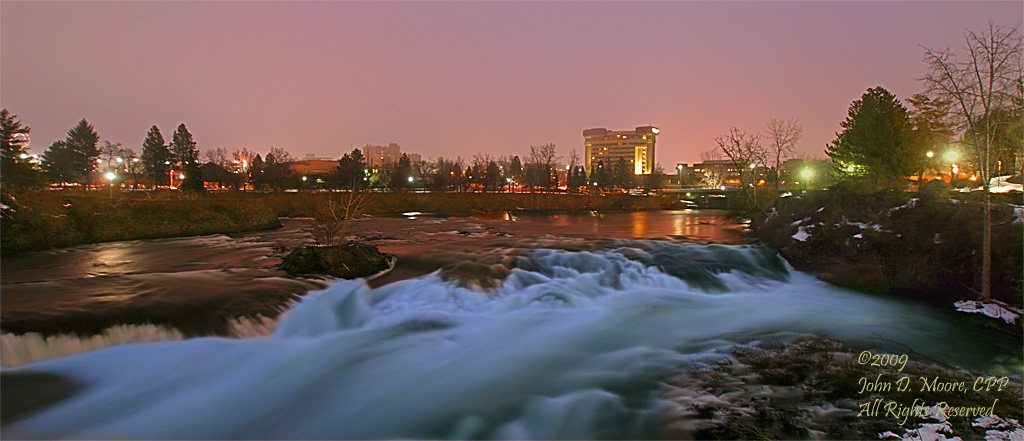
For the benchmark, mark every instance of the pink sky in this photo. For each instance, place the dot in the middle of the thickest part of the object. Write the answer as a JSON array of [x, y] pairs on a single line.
[[465, 77]]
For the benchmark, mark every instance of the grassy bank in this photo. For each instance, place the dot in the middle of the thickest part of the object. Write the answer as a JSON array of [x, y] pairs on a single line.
[[924, 245], [39, 220], [36, 221]]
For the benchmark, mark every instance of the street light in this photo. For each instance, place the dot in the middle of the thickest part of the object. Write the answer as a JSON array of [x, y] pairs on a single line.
[[952, 156], [110, 178], [806, 174]]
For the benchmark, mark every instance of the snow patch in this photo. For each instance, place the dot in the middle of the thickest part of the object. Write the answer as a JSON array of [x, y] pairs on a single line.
[[910, 204], [999, 429], [1018, 212], [802, 235], [989, 309]]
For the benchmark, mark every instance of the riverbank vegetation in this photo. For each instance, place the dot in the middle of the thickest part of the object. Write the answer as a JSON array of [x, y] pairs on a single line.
[[924, 245], [38, 220]]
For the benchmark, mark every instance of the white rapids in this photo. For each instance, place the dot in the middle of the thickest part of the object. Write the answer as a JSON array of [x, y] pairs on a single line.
[[574, 346]]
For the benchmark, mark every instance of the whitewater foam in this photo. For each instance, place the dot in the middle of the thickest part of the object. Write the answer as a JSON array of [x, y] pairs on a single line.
[[571, 345]]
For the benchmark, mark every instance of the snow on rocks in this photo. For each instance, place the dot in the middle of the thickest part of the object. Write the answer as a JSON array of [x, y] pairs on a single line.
[[990, 309], [1018, 212], [802, 235], [910, 204], [999, 429]]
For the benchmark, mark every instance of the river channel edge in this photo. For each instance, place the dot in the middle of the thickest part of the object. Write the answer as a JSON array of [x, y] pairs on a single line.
[[817, 387]]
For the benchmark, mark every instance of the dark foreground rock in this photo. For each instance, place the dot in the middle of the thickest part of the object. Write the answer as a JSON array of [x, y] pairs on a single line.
[[348, 261]]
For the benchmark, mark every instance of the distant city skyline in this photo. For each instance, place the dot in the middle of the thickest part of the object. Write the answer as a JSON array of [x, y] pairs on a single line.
[[462, 78]]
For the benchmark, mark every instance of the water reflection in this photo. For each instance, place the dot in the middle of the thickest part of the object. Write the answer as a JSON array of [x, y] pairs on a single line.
[[702, 225]]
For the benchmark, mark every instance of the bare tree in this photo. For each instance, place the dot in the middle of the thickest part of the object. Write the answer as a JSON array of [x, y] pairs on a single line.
[[539, 164], [745, 152], [481, 160], [333, 220], [281, 155], [217, 155], [714, 174], [782, 138], [132, 165], [505, 164], [980, 85]]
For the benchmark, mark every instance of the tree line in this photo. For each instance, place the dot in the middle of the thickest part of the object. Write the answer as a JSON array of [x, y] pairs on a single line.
[[80, 159]]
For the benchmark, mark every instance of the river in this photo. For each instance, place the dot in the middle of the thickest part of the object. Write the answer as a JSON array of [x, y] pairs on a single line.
[[506, 326]]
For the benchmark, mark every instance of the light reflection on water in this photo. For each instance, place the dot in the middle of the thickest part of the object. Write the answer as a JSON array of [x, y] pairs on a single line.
[[701, 225]]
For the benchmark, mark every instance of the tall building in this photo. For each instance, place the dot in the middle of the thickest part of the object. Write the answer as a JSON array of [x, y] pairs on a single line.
[[636, 147], [378, 156]]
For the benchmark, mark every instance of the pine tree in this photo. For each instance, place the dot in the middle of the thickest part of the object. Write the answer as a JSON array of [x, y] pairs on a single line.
[[15, 168], [622, 175], [493, 175], [183, 148], [59, 163], [351, 170], [156, 157], [516, 170], [878, 142], [402, 172], [186, 155], [600, 176], [81, 144], [577, 179]]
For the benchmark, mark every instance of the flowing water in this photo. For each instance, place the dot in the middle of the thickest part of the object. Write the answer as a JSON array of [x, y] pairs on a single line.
[[558, 335]]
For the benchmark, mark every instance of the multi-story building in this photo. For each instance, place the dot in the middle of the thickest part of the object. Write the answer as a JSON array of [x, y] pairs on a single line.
[[377, 156], [636, 147], [312, 165]]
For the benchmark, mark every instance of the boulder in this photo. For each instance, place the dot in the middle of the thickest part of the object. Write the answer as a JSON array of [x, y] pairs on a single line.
[[351, 260]]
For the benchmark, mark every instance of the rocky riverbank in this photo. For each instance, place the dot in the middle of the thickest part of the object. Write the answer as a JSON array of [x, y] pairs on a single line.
[[925, 246]]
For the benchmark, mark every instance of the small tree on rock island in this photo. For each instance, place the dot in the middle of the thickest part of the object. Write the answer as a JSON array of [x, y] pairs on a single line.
[[878, 143], [988, 81]]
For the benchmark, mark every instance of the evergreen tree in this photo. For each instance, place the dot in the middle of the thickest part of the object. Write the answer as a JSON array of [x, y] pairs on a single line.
[[81, 144], [493, 176], [15, 168], [577, 179], [183, 149], [256, 170], [402, 172], [351, 171], [600, 176], [156, 157], [878, 142], [516, 170], [59, 163], [933, 126], [622, 175], [186, 156]]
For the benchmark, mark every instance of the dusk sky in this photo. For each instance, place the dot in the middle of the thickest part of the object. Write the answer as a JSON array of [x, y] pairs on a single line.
[[462, 78]]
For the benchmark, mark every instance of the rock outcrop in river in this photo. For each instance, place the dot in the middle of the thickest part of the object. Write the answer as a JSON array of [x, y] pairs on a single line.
[[347, 261]]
